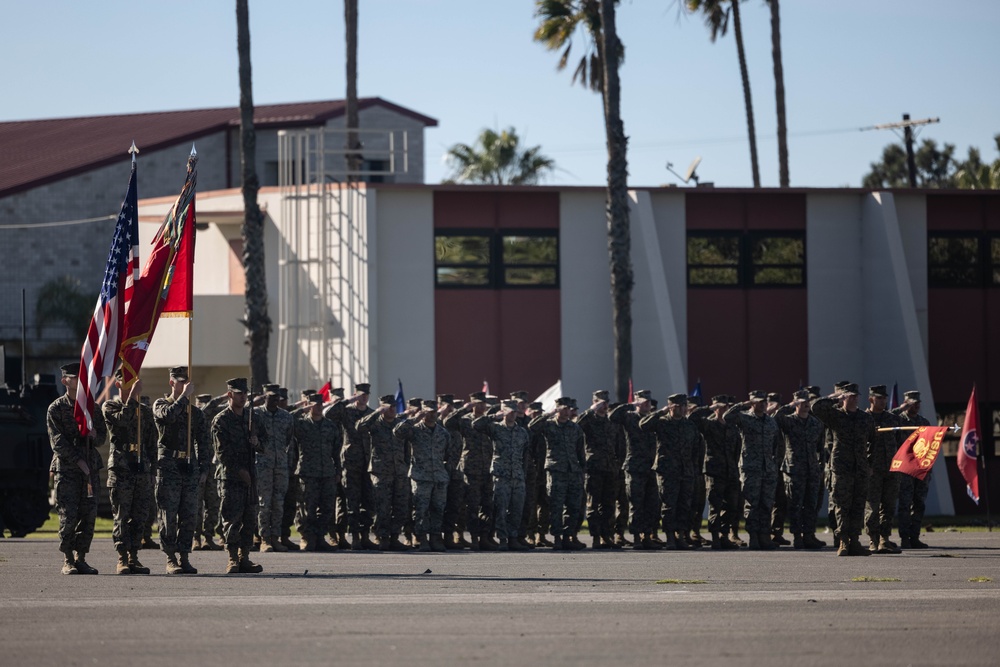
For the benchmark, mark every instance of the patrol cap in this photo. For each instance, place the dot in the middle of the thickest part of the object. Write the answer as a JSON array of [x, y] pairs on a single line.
[[642, 395], [677, 399], [445, 398], [316, 399], [203, 398], [536, 406], [719, 401], [492, 400], [429, 405], [878, 390], [653, 403], [283, 392], [414, 402], [573, 404], [388, 399], [849, 388], [601, 395], [774, 397], [70, 370], [272, 389], [179, 373], [363, 387], [338, 392], [839, 386], [306, 393], [519, 395], [477, 397], [801, 396], [757, 395], [509, 406], [813, 391], [911, 396], [457, 403], [564, 402], [238, 385]]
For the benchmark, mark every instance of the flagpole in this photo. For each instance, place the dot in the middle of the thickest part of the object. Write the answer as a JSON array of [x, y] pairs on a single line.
[[190, 319]]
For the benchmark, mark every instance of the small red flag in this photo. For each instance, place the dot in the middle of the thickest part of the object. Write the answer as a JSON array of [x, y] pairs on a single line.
[[968, 448], [916, 456], [486, 387], [631, 394], [324, 391]]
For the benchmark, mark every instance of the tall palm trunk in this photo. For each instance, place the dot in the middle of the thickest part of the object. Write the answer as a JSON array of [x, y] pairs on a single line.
[[738, 31], [779, 93], [256, 320], [619, 241], [353, 143]]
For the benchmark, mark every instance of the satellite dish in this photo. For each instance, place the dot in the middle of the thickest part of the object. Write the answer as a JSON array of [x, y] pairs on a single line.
[[691, 169]]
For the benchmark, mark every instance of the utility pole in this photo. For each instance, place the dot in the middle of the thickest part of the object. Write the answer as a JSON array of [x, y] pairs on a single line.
[[907, 126]]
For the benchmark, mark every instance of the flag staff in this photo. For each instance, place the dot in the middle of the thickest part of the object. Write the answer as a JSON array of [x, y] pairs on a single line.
[[134, 151], [190, 319]]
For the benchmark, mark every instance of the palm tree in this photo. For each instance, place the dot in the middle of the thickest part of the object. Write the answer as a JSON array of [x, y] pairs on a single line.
[[598, 68], [497, 159], [779, 93], [256, 320], [717, 14], [351, 102]]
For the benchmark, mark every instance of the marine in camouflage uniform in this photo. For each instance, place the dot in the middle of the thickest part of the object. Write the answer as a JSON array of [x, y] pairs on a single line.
[[133, 445], [803, 436], [272, 468], [389, 474], [355, 456], [758, 467], [291, 508], [779, 512], [601, 470], [475, 464], [721, 468], [912, 491], [535, 523], [529, 517], [178, 471], [640, 480], [207, 522], [852, 430], [429, 443], [676, 439], [510, 451], [883, 484], [76, 462], [238, 433], [699, 488], [564, 465], [454, 504], [317, 442]]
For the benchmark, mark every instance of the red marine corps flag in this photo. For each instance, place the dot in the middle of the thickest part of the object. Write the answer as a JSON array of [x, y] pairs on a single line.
[[100, 350], [916, 456], [165, 287], [968, 448]]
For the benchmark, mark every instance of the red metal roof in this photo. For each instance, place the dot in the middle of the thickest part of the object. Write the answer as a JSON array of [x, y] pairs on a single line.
[[35, 152]]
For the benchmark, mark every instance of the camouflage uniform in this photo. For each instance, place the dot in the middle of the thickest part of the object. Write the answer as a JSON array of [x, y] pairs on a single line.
[[318, 469], [510, 447], [129, 477], [77, 507], [640, 480], [428, 473], [475, 464], [207, 521], [721, 468], [355, 456], [849, 467], [621, 494], [272, 470], [231, 434], [883, 485], [912, 491], [564, 464], [177, 477], [602, 468], [454, 507], [389, 476], [800, 467], [758, 468], [676, 440]]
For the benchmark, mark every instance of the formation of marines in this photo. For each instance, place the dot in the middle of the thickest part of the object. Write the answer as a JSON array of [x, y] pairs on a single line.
[[507, 472]]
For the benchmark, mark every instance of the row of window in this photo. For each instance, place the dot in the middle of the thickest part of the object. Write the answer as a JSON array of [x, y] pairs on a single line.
[[963, 259]]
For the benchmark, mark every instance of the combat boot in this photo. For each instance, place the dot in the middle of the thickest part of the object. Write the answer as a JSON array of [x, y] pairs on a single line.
[[503, 545], [211, 545], [265, 545], [735, 539], [247, 566], [409, 539], [639, 542], [798, 542], [306, 544], [196, 545], [288, 544], [186, 566], [671, 541], [854, 548], [766, 543], [520, 544], [842, 549], [423, 542], [904, 543], [487, 544], [396, 545], [600, 543], [366, 542], [173, 567], [726, 544], [233, 566], [575, 544], [542, 541], [437, 543], [342, 540], [755, 542], [121, 567], [612, 543], [780, 539], [526, 543], [654, 537], [256, 543], [812, 542], [716, 542], [81, 564], [620, 541], [563, 543], [451, 541], [323, 545], [69, 565], [694, 540], [134, 565], [276, 544], [915, 543], [462, 541], [680, 542], [886, 546], [356, 543]]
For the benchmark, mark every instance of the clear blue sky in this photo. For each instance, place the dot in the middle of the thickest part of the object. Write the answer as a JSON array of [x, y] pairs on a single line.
[[473, 64]]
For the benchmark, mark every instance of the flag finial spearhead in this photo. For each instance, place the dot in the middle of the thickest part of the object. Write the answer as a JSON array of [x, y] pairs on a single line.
[[194, 153], [133, 151]]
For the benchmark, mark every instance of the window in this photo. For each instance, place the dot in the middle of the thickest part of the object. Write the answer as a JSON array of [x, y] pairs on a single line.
[[496, 260], [954, 260], [746, 259]]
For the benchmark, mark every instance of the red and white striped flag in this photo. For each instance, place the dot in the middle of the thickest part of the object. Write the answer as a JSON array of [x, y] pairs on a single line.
[[100, 350]]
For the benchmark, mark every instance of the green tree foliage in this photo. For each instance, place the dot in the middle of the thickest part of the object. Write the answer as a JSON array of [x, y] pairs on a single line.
[[936, 167], [498, 159], [62, 303]]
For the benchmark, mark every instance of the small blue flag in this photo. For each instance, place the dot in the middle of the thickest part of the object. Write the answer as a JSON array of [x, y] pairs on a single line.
[[696, 392], [400, 401]]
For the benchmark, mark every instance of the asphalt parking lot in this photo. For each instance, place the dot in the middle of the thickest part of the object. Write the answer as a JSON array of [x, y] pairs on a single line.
[[704, 607]]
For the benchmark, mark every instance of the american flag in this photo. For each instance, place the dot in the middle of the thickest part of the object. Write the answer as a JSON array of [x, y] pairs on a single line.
[[100, 350]]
